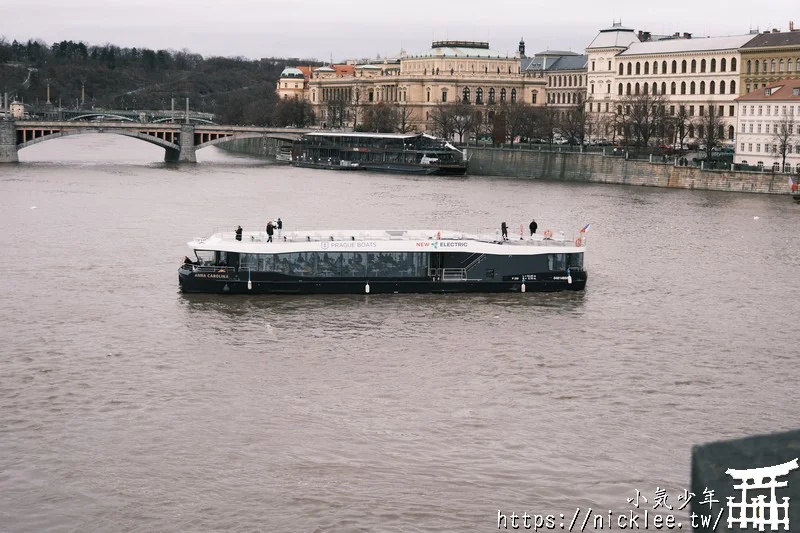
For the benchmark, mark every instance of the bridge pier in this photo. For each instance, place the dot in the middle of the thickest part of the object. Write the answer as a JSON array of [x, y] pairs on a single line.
[[187, 152], [8, 142]]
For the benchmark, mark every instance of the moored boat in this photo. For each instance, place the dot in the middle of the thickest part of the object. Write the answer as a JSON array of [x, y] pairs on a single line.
[[413, 153], [383, 261]]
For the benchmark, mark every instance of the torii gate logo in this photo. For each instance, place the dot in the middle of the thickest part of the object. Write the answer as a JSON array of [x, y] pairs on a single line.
[[760, 513]]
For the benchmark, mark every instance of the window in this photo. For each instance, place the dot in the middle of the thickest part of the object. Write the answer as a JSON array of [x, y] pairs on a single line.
[[691, 110], [683, 86], [721, 111], [758, 147], [644, 88], [479, 96], [628, 89], [764, 66], [646, 67], [749, 147], [751, 128], [703, 87], [444, 96], [620, 89], [744, 127], [672, 88], [672, 110], [760, 111], [733, 87], [741, 147], [491, 96], [674, 67], [703, 65], [694, 66], [691, 88], [663, 67], [721, 65], [428, 95], [513, 95], [701, 110], [731, 110], [701, 131], [683, 67], [502, 95], [721, 87], [733, 65], [749, 66], [592, 65], [655, 67], [638, 68], [758, 127], [747, 90], [606, 107], [609, 65], [780, 66], [636, 89], [772, 66]]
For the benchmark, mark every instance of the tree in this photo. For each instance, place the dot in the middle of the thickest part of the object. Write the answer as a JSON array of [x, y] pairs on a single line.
[[442, 121], [783, 135], [380, 118], [681, 123], [293, 112], [405, 118], [573, 124], [547, 123], [519, 119], [711, 129], [463, 118], [643, 117], [337, 109]]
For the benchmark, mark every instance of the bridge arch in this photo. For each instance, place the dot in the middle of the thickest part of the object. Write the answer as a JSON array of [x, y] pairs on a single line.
[[134, 134], [101, 115], [247, 135], [178, 120]]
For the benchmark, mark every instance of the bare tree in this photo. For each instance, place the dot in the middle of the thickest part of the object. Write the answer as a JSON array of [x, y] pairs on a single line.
[[644, 117], [520, 120], [783, 136], [381, 118], [442, 121], [355, 106], [484, 122], [463, 117], [680, 123], [337, 111], [405, 118], [572, 124], [711, 129]]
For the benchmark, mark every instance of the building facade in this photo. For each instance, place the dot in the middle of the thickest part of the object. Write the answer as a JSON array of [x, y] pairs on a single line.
[[451, 71], [770, 57], [689, 73], [768, 124], [565, 76]]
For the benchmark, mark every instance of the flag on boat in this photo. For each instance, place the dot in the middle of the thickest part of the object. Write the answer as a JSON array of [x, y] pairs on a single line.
[[586, 228], [791, 181]]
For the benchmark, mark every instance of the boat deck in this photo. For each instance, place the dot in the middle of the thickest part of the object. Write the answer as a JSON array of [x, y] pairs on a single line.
[[546, 238]]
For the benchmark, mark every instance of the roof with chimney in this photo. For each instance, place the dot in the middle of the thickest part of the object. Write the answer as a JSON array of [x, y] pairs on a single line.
[[676, 46], [780, 91], [554, 61], [766, 40]]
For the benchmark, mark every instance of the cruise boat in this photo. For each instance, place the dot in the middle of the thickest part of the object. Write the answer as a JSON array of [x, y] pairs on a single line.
[[415, 153], [383, 261]]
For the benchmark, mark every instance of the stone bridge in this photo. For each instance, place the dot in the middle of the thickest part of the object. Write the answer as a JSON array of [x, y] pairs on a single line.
[[180, 141]]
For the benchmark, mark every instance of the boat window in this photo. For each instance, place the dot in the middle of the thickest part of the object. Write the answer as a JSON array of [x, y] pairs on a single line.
[[206, 257], [557, 262], [574, 260], [340, 264]]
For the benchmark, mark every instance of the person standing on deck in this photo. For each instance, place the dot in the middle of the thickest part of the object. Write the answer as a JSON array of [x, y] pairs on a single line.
[[239, 233], [504, 230], [270, 231], [533, 227], [280, 227]]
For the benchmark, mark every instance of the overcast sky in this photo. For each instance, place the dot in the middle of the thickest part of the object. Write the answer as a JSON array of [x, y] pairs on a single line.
[[365, 28]]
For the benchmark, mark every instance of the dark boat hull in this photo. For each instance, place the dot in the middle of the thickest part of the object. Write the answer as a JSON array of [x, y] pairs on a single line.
[[452, 170], [191, 283]]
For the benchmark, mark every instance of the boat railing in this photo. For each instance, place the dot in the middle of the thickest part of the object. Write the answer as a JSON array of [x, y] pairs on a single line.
[[212, 269], [448, 274]]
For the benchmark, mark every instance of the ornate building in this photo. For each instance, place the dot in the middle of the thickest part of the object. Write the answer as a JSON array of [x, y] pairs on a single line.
[[769, 120], [450, 71], [565, 74], [690, 73], [769, 57]]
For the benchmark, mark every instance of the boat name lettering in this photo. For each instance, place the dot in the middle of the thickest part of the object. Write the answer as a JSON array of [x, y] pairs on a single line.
[[559, 278], [442, 244], [350, 244], [210, 275]]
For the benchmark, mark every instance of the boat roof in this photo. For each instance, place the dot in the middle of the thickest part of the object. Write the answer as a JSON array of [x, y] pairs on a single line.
[[364, 134], [334, 241]]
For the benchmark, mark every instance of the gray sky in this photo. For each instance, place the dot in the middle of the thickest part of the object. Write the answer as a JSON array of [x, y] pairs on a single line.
[[364, 28]]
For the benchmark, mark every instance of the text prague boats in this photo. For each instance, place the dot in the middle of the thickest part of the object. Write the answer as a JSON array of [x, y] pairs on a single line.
[[415, 153], [383, 261]]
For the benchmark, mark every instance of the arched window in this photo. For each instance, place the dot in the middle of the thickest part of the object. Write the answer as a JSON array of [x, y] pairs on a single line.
[[750, 66], [513, 95], [636, 89], [764, 65], [772, 66], [788, 65], [711, 87], [703, 87], [620, 89], [628, 89], [683, 67], [691, 130], [621, 71], [502, 95], [491, 95], [721, 65], [674, 67], [629, 68], [780, 66], [655, 67], [722, 87], [465, 97], [663, 67], [733, 64], [694, 66], [534, 94], [672, 88], [691, 88], [664, 87], [428, 96], [644, 88], [479, 95], [798, 65], [730, 132], [701, 131], [683, 87], [638, 68], [703, 65], [733, 87], [646, 67]]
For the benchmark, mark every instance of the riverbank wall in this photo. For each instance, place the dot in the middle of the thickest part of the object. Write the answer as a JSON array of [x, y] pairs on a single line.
[[599, 168], [583, 167]]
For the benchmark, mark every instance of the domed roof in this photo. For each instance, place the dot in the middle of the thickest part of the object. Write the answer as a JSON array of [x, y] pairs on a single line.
[[291, 72]]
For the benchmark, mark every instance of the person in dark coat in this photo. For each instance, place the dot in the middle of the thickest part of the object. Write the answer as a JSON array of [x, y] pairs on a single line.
[[280, 226], [239, 233], [533, 227], [270, 231], [504, 230]]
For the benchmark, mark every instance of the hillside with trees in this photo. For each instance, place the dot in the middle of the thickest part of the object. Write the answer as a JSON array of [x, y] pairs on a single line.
[[235, 89]]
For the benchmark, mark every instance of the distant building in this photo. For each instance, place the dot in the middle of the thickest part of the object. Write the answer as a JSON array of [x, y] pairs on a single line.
[[565, 76], [17, 110], [769, 57], [768, 119]]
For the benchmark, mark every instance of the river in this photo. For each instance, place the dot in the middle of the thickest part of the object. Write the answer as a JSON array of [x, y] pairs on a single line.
[[127, 406]]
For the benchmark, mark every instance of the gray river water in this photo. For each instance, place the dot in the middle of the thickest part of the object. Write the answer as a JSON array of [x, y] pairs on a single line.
[[127, 406]]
